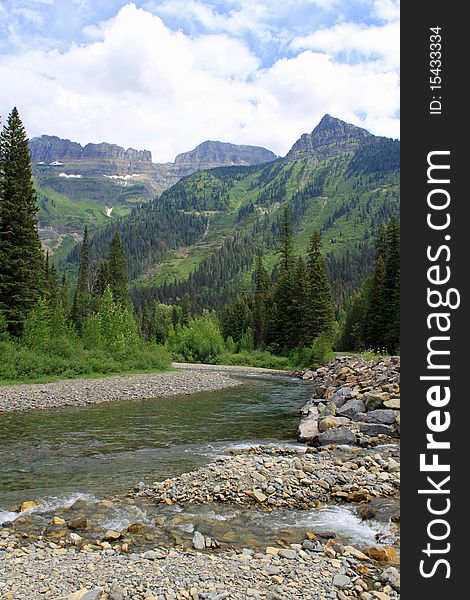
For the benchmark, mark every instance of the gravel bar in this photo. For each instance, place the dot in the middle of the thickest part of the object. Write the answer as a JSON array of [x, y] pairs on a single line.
[[84, 392]]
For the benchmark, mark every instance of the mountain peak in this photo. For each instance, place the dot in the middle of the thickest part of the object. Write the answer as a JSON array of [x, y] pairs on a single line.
[[213, 154], [330, 137]]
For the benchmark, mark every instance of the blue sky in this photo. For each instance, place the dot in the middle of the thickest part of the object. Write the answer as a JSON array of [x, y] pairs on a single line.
[[165, 75]]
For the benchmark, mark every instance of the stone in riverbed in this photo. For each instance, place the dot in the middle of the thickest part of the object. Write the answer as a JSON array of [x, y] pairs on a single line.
[[341, 581], [374, 429], [331, 423], [111, 535], [28, 505], [286, 553], [341, 396], [380, 415], [350, 408], [338, 435], [199, 543], [308, 427], [136, 528], [259, 496], [393, 403], [79, 523], [391, 576]]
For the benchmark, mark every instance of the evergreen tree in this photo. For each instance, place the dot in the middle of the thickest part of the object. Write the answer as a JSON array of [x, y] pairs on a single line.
[[81, 306], [186, 309], [283, 330], [261, 309], [117, 269], [376, 323], [21, 259], [318, 303], [102, 279], [391, 287]]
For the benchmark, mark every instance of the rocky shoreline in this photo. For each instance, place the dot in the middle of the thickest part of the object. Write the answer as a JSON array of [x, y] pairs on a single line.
[[73, 553], [355, 401], [85, 392]]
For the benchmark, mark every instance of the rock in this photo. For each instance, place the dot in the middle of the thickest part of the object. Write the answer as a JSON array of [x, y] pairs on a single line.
[[393, 465], [338, 435], [199, 543], [393, 403], [75, 538], [385, 554], [112, 534], [308, 427], [351, 407], [136, 528], [373, 400], [358, 497], [381, 596], [79, 594], [374, 429], [354, 552], [341, 581], [380, 415], [326, 410], [341, 396], [259, 496], [331, 423], [58, 521], [78, 523], [93, 595], [391, 575], [286, 553], [28, 505]]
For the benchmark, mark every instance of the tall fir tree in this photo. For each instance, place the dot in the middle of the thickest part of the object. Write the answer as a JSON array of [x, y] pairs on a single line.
[[82, 304], [391, 286], [318, 312], [261, 308], [21, 257], [376, 323], [118, 271], [283, 330]]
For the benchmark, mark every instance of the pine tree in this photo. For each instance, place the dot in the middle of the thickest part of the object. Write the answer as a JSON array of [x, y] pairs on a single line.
[[261, 309], [391, 287], [186, 309], [283, 331], [81, 306], [318, 309], [118, 271], [21, 258], [376, 324]]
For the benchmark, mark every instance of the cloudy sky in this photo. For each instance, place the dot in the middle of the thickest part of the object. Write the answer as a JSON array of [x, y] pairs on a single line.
[[165, 75]]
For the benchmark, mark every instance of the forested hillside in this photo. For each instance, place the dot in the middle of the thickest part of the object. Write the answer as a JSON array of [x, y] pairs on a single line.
[[202, 235]]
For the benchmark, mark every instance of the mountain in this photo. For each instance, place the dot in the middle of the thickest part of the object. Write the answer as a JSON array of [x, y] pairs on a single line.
[[331, 137], [98, 182], [216, 154], [202, 234]]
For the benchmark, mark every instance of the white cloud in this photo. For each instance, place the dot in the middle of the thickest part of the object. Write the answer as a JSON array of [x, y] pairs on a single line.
[[357, 42], [140, 84], [387, 10]]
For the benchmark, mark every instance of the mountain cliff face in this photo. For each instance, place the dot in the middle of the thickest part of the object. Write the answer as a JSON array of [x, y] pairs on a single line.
[[211, 154], [331, 137]]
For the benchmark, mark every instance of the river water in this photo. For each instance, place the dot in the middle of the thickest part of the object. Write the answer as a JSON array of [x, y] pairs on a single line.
[[91, 452]]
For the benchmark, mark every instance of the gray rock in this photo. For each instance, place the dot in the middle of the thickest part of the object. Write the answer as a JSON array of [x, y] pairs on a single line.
[[352, 407], [93, 595], [374, 429], [392, 576], [341, 581], [341, 396], [199, 542], [289, 554], [380, 415], [308, 427], [338, 435]]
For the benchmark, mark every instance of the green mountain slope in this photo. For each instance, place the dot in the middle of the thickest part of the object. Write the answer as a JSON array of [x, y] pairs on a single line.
[[202, 234]]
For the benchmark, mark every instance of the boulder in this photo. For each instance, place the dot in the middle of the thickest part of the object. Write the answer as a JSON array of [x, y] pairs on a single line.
[[28, 505], [374, 429], [380, 415], [308, 427], [78, 523], [136, 528], [331, 423], [341, 396], [393, 403], [199, 543], [374, 400], [351, 408], [326, 410], [392, 577], [338, 435]]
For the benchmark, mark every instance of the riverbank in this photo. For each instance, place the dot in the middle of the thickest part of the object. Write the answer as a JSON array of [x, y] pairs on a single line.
[[72, 551], [85, 392]]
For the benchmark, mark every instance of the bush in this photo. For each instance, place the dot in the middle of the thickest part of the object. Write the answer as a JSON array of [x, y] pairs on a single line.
[[200, 341]]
